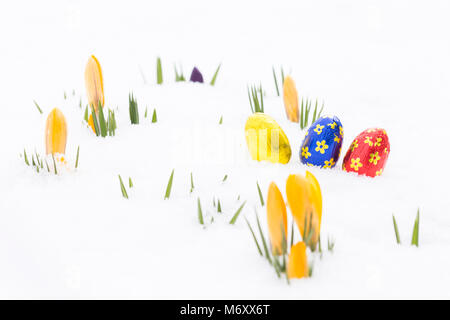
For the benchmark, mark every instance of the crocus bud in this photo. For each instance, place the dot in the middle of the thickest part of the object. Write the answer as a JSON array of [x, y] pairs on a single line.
[[290, 98], [94, 83], [266, 140], [196, 76], [55, 132], [297, 266], [305, 201], [276, 220]]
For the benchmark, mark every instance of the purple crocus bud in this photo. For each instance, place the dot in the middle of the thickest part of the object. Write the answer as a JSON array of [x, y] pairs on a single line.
[[196, 76]]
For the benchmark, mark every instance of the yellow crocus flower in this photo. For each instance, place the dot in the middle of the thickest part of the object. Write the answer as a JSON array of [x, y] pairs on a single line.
[[290, 98], [305, 201], [94, 83], [276, 219], [297, 266], [55, 132]]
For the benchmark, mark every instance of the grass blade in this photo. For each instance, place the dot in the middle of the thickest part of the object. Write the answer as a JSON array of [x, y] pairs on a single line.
[[25, 157], [122, 188], [266, 249], [94, 118], [276, 82], [292, 233], [260, 194], [213, 81], [159, 73], [169, 186], [236, 215], [415, 235], [130, 182], [102, 121], [397, 235], [78, 156], [199, 212], [192, 183], [225, 178], [154, 117], [54, 164], [254, 237], [219, 208], [37, 106], [134, 110]]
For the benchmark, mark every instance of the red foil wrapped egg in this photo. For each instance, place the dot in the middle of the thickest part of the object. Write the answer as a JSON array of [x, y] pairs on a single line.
[[368, 153]]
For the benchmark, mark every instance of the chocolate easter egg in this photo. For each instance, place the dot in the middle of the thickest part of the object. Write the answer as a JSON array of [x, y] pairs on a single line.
[[368, 153], [322, 144], [266, 141]]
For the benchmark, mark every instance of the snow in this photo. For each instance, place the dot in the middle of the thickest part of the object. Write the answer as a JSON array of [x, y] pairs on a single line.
[[374, 63]]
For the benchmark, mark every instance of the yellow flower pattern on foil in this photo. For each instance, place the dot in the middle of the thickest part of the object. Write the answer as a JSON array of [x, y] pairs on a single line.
[[354, 145], [374, 157], [378, 173], [341, 131], [337, 139], [321, 146], [378, 142], [319, 128], [369, 141], [356, 164], [332, 125], [329, 164], [305, 152]]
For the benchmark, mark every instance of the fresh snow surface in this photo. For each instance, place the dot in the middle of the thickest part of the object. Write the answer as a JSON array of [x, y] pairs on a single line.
[[374, 63]]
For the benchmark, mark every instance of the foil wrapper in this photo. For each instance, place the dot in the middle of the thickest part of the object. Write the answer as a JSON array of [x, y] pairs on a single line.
[[368, 153], [323, 142]]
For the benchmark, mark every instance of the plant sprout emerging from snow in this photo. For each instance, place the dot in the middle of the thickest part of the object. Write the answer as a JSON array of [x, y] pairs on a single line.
[[169, 186], [276, 80], [415, 232], [134, 110], [196, 76], [213, 80], [122, 188], [256, 98], [179, 77], [159, 73], [101, 126], [37, 107], [305, 110]]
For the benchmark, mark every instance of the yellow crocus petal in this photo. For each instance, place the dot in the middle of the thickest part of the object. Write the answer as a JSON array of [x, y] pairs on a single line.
[[266, 140], [298, 261], [290, 98], [303, 199], [55, 132], [317, 194], [91, 123], [94, 82], [276, 219], [296, 192]]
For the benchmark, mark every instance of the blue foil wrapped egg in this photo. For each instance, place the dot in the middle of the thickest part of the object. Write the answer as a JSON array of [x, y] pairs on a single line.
[[323, 142]]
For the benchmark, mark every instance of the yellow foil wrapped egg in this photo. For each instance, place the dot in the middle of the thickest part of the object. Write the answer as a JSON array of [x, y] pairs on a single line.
[[266, 141]]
